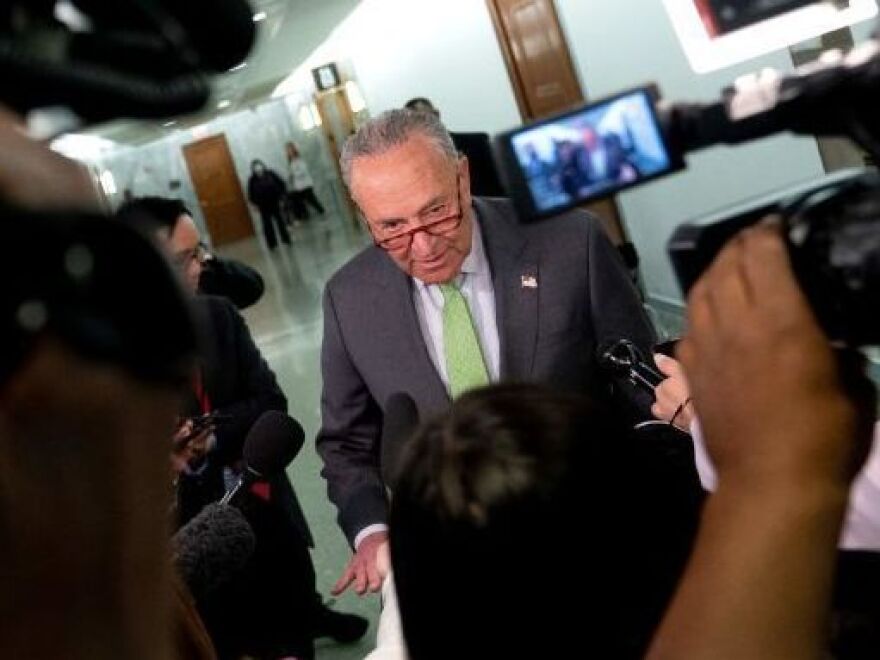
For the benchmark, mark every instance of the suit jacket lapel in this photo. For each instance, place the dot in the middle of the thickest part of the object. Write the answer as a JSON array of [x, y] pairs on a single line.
[[515, 277], [396, 304]]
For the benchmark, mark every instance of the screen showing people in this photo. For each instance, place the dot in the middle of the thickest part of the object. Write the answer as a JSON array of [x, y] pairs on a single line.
[[591, 153]]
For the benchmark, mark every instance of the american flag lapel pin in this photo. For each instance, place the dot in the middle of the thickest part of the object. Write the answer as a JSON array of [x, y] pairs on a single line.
[[529, 281]]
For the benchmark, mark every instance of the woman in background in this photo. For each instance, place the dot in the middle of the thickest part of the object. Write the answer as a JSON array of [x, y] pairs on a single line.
[[302, 189]]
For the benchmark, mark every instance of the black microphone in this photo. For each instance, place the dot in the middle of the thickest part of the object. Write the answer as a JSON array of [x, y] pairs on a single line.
[[145, 60], [623, 358], [270, 446], [400, 422], [212, 549]]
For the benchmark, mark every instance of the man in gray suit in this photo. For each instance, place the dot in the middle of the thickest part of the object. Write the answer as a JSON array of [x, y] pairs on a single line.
[[453, 295]]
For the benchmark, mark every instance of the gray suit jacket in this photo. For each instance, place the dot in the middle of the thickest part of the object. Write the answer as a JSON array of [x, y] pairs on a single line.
[[373, 345]]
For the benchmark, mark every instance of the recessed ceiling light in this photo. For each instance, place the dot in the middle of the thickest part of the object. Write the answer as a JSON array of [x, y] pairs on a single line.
[[238, 67], [224, 104], [259, 16]]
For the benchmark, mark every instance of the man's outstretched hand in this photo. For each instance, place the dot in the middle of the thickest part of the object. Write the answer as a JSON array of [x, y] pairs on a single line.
[[365, 570]]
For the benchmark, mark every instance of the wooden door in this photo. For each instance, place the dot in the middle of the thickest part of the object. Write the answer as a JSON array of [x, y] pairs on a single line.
[[337, 124], [542, 74], [218, 189]]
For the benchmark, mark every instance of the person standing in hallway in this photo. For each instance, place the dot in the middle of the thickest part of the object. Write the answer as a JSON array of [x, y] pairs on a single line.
[[302, 190], [453, 295], [265, 191]]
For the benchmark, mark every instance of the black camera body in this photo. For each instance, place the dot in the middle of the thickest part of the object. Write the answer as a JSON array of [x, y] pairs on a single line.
[[832, 230]]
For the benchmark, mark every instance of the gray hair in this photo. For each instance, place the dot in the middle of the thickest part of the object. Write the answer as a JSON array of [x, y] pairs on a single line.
[[391, 129]]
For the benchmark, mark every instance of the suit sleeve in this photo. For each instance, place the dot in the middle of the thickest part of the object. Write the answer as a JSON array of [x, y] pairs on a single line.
[[615, 305], [348, 439], [257, 391]]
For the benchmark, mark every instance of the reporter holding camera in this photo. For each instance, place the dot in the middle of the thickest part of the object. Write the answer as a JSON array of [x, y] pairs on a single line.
[[84, 535], [788, 425]]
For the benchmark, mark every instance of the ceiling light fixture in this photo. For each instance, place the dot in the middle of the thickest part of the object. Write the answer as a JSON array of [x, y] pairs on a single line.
[[238, 67], [225, 103], [108, 183], [259, 16]]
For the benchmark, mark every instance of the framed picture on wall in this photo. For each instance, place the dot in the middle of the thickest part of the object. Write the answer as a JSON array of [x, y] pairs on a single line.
[[326, 76], [719, 33]]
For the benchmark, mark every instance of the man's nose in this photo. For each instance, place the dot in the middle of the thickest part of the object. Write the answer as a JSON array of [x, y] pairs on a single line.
[[423, 244]]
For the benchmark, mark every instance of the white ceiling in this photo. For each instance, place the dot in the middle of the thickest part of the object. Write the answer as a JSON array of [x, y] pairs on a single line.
[[290, 32]]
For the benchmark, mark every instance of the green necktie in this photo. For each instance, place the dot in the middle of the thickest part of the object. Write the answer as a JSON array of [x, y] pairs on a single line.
[[465, 366]]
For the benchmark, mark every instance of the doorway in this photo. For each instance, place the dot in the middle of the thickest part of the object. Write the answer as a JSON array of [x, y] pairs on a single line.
[[337, 124], [218, 190]]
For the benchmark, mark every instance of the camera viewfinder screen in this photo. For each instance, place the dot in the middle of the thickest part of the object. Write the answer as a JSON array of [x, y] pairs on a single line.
[[593, 153]]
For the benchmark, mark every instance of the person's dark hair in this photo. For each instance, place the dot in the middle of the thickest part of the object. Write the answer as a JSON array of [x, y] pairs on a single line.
[[484, 516], [257, 161], [151, 214], [418, 103], [496, 448], [520, 527]]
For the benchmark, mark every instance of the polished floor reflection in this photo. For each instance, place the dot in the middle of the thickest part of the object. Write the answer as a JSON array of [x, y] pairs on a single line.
[[287, 325]]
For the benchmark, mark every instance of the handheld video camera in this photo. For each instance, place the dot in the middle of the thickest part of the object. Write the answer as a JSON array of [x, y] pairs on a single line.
[[130, 58], [832, 226], [79, 276]]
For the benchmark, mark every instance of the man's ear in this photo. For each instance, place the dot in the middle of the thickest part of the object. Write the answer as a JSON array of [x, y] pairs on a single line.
[[464, 171]]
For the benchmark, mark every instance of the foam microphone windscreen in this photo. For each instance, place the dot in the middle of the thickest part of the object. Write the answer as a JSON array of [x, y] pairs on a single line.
[[212, 548], [272, 443], [225, 39], [221, 31], [400, 422]]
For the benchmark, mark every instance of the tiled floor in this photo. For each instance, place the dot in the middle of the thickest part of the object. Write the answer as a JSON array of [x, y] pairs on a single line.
[[286, 324]]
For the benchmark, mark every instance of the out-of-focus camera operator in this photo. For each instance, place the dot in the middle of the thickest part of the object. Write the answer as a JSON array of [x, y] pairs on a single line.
[[788, 425], [89, 380], [98, 341]]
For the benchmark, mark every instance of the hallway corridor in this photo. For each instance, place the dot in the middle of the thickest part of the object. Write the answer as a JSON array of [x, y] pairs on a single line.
[[287, 325]]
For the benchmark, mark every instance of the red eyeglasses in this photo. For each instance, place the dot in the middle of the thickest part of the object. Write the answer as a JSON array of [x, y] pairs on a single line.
[[433, 225]]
